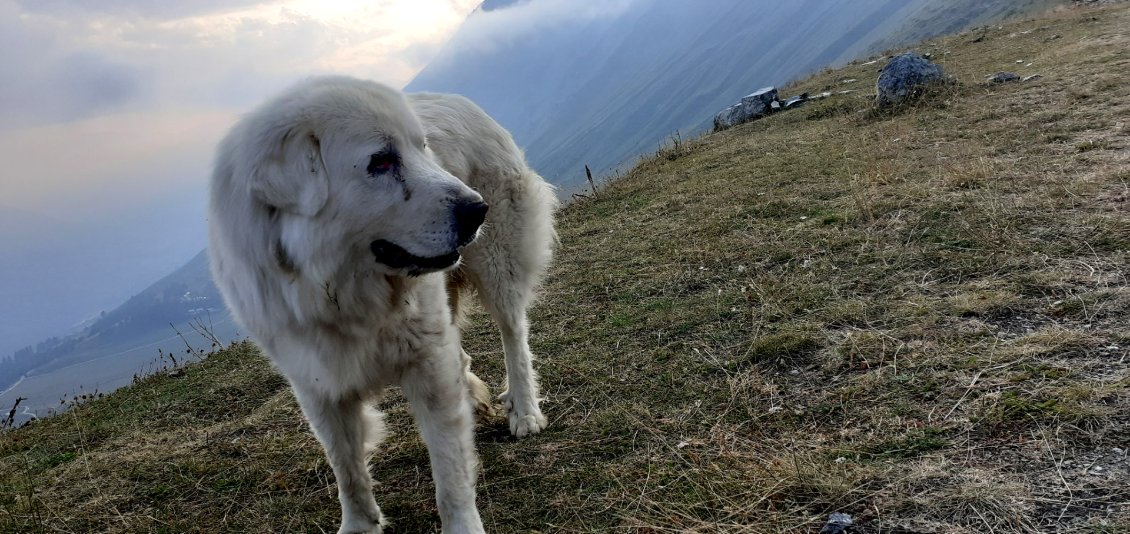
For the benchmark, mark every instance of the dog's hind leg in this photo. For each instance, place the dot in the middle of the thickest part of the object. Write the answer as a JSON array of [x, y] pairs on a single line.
[[347, 430], [521, 396], [506, 298], [457, 287], [440, 397], [506, 267]]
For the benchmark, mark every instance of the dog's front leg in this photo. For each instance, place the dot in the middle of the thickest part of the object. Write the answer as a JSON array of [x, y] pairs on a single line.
[[343, 426], [437, 389]]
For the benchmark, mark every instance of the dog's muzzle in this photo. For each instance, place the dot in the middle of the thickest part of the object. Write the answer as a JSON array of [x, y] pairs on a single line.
[[395, 256], [467, 218]]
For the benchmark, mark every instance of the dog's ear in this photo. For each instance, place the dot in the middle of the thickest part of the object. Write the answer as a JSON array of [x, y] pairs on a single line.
[[291, 176]]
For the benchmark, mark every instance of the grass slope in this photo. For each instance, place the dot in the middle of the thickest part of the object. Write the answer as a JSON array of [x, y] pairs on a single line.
[[918, 318]]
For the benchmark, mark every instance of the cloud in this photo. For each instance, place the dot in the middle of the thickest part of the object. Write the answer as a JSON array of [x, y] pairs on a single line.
[[108, 78], [48, 78], [150, 9], [106, 164], [92, 83], [503, 22], [72, 59]]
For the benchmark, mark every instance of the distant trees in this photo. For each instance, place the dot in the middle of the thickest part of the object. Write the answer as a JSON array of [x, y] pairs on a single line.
[[28, 358]]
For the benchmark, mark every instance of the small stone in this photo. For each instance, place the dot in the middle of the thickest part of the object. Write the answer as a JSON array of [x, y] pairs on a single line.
[[1030, 78], [838, 523], [1002, 77], [796, 101]]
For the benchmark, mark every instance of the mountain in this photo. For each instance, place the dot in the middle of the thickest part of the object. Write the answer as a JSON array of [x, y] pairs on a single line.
[[59, 270], [114, 346], [603, 83]]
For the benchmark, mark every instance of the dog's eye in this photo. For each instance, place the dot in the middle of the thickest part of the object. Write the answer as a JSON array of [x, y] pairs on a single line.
[[382, 163]]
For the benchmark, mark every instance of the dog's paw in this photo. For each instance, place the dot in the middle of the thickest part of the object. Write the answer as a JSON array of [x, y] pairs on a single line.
[[363, 525], [525, 417]]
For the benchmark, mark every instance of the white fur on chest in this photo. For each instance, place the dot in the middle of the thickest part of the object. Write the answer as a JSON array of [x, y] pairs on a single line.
[[359, 333]]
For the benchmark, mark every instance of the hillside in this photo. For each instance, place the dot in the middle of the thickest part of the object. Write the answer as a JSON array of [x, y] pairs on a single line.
[[603, 84], [612, 81], [917, 318], [113, 347]]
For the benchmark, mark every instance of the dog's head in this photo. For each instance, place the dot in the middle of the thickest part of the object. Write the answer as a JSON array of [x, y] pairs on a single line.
[[346, 160]]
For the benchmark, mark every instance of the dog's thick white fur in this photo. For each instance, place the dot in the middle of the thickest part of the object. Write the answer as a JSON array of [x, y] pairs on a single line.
[[340, 217]]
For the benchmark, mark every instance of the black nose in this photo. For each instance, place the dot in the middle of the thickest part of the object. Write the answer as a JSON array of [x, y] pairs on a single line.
[[469, 216]]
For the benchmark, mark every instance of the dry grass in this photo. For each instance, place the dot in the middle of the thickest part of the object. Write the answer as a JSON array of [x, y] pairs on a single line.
[[918, 318]]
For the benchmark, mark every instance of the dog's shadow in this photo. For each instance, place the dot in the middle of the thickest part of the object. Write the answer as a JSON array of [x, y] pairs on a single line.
[[493, 430]]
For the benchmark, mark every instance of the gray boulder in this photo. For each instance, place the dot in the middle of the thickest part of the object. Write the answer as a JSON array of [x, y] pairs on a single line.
[[728, 117], [760, 103], [752, 106], [904, 77]]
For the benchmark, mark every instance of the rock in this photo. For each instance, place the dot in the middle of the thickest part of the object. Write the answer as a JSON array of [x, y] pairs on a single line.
[[904, 77], [796, 101], [752, 106], [1002, 77], [759, 103], [838, 523], [727, 118], [1031, 77]]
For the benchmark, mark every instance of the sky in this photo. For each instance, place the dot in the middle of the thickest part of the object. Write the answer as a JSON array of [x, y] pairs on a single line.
[[109, 115], [127, 95]]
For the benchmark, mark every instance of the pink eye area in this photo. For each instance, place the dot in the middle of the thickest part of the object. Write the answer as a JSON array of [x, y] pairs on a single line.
[[382, 163]]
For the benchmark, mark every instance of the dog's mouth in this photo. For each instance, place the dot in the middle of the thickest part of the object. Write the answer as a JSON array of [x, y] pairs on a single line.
[[395, 256]]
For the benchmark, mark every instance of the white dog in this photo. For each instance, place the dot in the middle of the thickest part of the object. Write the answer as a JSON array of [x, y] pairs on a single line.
[[335, 209]]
